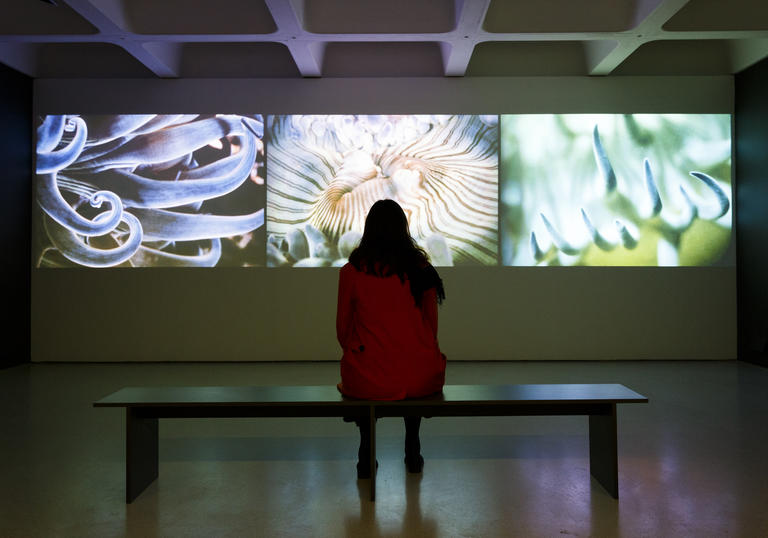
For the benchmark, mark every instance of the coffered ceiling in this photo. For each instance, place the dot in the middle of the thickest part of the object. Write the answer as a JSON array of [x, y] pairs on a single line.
[[386, 38]]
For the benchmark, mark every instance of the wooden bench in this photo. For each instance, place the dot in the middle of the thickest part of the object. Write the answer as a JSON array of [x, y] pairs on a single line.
[[145, 405]]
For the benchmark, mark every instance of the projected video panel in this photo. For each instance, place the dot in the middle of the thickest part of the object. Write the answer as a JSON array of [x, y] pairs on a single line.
[[325, 172], [150, 190], [293, 190], [615, 189]]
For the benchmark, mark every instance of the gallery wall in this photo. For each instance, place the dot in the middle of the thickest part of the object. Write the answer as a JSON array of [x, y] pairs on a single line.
[[751, 155], [15, 202], [491, 313]]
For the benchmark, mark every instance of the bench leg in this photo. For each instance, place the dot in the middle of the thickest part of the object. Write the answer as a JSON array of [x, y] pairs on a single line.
[[603, 450], [372, 442], [141, 453]]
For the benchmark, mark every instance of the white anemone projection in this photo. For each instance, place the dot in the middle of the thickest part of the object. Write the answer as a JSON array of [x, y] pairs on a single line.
[[325, 172]]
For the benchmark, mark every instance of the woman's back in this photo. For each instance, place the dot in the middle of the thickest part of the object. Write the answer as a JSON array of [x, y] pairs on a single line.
[[389, 342], [386, 323]]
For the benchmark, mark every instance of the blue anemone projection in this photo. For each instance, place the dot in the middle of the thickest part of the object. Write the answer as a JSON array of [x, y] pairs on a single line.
[[150, 190]]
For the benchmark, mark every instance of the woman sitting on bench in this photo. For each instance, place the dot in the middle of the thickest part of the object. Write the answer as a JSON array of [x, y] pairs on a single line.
[[386, 323]]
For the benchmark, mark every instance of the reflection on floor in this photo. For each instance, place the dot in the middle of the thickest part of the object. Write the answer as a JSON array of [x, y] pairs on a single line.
[[692, 462]]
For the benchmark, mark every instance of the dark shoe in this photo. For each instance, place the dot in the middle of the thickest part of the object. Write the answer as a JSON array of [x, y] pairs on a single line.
[[414, 464], [364, 470]]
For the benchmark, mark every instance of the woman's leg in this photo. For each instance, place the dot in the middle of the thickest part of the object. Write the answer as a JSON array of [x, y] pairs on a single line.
[[413, 459], [364, 451]]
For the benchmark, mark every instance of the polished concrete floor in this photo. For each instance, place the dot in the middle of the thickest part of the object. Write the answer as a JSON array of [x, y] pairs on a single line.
[[692, 462]]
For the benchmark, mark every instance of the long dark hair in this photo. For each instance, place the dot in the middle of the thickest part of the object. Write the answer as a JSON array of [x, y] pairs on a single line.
[[387, 249]]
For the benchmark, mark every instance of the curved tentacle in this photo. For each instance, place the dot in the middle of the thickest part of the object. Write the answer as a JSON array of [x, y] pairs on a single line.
[[692, 213], [597, 238], [161, 225], [313, 262], [722, 198], [561, 244], [165, 120], [255, 126], [108, 144], [275, 257], [318, 243], [169, 170], [72, 248], [103, 129], [298, 247], [237, 163], [536, 251], [603, 163], [53, 203], [210, 181], [49, 133], [147, 256], [653, 191], [51, 161], [164, 144], [96, 151], [627, 239], [666, 254]]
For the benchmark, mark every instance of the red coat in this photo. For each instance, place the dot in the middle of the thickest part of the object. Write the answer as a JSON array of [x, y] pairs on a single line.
[[390, 345]]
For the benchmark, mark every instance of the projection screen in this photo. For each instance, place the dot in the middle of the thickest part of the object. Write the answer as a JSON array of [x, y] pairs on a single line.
[[228, 190], [150, 190], [229, 180]]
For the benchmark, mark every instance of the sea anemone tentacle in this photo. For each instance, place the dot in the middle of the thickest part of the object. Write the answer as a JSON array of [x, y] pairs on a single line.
[[160, 258], [216, 179], [53, 203], [161, 145], [51, 161], [49, 133], [160, 225], [79, 252]]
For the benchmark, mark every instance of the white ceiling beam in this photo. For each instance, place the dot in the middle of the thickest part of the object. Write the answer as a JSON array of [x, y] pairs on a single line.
[[649, 20], [20, 56], [107, 17], [644, 9], [165, 56], [307, 53], [747, 52], [456, 56], [457, 51], [604, 56], [288, 17], [162, 53], [308, 56]]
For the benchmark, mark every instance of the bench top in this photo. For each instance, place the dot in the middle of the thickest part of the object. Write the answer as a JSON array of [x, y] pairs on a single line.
[[328, 395]]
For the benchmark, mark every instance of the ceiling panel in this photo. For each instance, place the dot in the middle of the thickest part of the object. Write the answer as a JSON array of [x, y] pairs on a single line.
[[378, 38], [34, 17], [699, 15], [528, 59], [376, 59], [236, 60], [689, 57], [544, 16], [377, 17], [92, 60], [194, 17]]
